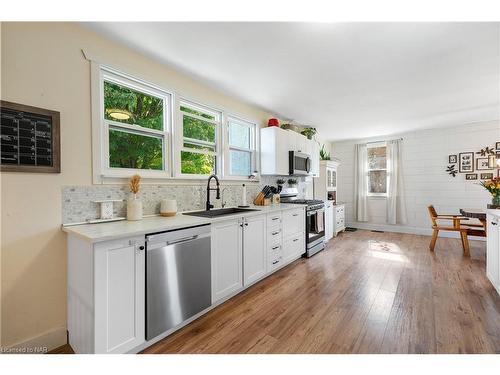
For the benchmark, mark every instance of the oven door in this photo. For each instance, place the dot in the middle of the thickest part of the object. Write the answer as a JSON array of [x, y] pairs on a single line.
[[299, 163], [315, 226]]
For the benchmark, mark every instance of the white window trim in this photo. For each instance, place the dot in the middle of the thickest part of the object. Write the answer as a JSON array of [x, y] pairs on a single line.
[[368, 170], [254, 147], [173, 139], [100, 125]]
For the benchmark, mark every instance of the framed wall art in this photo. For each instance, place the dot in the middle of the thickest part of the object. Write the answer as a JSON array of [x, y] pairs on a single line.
[[471, 176], [486, 176], [482, 164], [466, 162], [452, 159], [497, 145]]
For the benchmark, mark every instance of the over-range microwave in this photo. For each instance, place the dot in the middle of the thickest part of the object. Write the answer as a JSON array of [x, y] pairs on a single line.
[[299, 163]]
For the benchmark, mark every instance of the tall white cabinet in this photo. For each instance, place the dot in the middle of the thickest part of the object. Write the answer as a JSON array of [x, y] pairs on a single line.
[[275, 144], [326, 182], [493, 248]]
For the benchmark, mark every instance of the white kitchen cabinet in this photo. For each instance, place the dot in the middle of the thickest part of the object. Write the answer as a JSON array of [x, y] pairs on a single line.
[[329, 225], [493, 250], [326, 181], [227, 253], [293, 247], [106, 295], [275, 144], [254, 248], [293, 221], [338, 219]]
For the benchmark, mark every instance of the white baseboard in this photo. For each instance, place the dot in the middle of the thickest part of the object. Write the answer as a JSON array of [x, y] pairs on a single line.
[[407, 229], [40, 344]]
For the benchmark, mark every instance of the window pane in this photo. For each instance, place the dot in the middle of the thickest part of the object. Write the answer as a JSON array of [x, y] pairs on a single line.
[[194, 163], [377, 182], [240, 163], [198, 129], [132, 107], [199, 113], [128, 150], [199, 147], [239, 135], [377, 157]]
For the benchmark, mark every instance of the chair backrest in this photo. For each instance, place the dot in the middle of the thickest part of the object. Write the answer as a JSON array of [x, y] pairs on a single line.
[[432, 214]]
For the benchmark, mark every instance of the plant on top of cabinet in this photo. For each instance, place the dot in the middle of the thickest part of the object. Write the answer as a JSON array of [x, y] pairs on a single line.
[[323, 154], [309, 132], [134, 206]]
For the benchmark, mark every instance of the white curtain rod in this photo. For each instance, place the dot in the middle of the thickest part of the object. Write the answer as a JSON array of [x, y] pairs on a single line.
[[385, 140]]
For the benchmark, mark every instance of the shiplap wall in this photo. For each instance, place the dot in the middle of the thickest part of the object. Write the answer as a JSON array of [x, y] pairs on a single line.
[[425, 158]]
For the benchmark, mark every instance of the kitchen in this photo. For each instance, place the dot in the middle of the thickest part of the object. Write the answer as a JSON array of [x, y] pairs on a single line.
[[152, 210]]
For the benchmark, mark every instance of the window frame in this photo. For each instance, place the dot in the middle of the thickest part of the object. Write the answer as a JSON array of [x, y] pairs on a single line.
[[253, 150], [106, 74], [179, 137], [368, 170]]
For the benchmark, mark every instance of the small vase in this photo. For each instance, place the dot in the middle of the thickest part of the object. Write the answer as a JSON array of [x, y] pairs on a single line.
[[134, 209]]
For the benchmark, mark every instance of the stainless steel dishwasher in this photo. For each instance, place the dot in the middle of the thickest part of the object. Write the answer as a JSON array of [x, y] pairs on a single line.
[[178, 277]]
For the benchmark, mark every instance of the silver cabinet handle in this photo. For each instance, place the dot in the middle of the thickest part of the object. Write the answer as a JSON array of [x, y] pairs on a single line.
[[275, 233], [185, 239], [275, 218], [295, 240], [276, 261], [295, 215], [141, 247], [493, 223], [276, 247]]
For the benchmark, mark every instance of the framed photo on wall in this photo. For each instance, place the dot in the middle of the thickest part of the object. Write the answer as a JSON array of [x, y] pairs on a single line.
[[471, 176], [497, 145], [486, 176], [452, 159], [466, 162], [482, 164]]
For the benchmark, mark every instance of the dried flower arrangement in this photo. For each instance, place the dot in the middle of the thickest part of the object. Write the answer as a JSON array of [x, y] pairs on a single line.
[[135, 184]]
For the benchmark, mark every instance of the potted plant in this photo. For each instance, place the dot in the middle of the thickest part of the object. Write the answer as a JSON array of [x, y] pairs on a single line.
[[493, 186], [134, 205], [323, 154], [309, 132], [292, 181]]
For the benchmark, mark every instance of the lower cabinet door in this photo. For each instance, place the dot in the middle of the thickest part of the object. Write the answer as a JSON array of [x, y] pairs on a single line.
[[226, 259], [293, 247], [254, 248], [493, 250], [119, 295]]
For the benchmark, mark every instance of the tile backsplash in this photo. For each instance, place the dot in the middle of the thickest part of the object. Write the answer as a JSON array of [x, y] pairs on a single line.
[[78, 202]]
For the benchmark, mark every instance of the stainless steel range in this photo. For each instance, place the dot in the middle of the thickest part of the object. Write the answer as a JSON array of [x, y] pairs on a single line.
[[315, 220]]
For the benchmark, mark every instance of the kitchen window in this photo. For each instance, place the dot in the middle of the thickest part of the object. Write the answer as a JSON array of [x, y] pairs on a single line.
[[135, 127], [241, 147], [377, 169], [199, 152]]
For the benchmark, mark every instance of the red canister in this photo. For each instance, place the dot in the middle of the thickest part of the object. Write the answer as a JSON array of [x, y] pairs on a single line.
[[273, 122]]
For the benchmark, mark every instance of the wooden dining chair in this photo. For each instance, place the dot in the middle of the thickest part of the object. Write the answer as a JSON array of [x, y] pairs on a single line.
[[456, 226]]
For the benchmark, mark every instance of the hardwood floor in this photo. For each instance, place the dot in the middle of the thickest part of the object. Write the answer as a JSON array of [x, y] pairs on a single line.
[[367, 293]]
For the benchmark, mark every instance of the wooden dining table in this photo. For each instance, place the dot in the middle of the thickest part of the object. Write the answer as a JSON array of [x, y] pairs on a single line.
[[477, 213]]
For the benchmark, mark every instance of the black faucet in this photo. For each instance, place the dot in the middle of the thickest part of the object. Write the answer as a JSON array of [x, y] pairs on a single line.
[[208, 205]]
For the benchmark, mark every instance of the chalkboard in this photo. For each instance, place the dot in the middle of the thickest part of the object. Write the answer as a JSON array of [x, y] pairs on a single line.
[[30, 139]]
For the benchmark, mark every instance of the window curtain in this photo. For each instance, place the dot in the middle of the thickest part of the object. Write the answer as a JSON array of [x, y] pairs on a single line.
[[396, 210], [360, 183]]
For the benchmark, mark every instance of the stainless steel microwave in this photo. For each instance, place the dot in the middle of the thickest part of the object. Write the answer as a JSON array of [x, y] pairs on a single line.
[[299, 163]]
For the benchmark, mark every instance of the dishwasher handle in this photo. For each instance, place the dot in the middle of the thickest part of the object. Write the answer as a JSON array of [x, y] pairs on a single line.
[[181, 240]]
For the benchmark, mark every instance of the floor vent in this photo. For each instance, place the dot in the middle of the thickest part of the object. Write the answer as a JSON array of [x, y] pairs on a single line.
[[378, 231], [349, 229]]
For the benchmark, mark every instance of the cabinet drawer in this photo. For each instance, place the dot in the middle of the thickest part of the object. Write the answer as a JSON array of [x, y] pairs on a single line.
[[274, 251], [274, 219], [275, 263], [274, 236], [340, 210], [293, 222]]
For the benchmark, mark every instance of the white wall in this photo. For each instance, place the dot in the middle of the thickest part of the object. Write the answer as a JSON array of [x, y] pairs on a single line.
[[425, 158]]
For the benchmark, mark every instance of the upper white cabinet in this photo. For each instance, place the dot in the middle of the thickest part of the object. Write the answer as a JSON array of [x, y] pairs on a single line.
[[226, 258], [254, 248], [493, 250], [275, 143], [327, 179]]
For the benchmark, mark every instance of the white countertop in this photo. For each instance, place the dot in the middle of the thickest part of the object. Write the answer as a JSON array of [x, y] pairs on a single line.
[[119, 229], [494, 212]]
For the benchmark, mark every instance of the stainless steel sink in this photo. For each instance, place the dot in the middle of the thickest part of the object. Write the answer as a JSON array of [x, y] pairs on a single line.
[[219, 212]]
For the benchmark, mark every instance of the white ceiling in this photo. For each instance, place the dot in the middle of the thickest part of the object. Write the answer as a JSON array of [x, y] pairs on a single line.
[[349, 80]]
